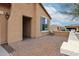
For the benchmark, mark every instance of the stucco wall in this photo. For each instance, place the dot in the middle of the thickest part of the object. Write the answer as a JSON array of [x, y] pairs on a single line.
[[40, 12], [3, 23], [62, 33], [15, 21], [13, 32], [3, 29]]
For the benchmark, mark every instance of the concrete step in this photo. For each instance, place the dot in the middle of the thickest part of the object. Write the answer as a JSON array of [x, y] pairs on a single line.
[[8, 48], [70, 48], [77, 36], [3, 52]]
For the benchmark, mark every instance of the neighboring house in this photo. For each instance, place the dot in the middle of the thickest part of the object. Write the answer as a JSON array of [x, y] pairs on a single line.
[[22, 20], [59, 30], [55, 28], [76, 28]]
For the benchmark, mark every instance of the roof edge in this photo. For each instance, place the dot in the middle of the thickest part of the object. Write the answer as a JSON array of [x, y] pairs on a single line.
[[45, 10]]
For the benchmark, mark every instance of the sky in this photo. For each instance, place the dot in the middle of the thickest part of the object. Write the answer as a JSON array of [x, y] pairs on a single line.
[[59, 18]]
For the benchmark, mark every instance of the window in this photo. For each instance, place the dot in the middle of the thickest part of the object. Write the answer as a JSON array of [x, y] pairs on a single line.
[[43, 24]]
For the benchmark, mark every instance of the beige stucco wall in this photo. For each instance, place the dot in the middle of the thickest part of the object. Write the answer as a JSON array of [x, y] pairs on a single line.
[[11, 30], [3, 29], [3, 24], [40, 12], [15, 21], [62, 33]]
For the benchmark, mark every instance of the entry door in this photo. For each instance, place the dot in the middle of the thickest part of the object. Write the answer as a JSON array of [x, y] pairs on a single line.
[[26, 27], [3, 29]]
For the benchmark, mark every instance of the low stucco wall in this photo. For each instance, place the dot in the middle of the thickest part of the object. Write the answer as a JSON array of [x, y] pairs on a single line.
[[62, 33], [44, 33]]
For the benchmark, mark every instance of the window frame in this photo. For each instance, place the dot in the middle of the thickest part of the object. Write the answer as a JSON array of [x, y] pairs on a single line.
[[41, 24]]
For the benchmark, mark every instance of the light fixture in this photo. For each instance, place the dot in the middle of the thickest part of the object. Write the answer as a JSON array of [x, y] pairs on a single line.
[[7, 15]]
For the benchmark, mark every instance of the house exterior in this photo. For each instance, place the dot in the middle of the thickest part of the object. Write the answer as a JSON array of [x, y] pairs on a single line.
[[55, 28], [22, 20], [76, 28], [59, 30]]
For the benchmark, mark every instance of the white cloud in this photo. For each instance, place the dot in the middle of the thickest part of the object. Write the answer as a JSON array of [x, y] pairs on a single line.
[[51, 8], [54, 14], [58, 16], [72, 20], [51, 11]]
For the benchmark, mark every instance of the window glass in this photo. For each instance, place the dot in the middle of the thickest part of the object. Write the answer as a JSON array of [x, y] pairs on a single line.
[[43, 23]]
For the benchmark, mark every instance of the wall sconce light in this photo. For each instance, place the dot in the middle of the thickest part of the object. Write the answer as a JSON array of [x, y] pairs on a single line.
[[7, 15]]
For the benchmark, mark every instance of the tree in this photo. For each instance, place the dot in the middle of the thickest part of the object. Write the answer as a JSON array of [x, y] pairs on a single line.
[[74, 11]]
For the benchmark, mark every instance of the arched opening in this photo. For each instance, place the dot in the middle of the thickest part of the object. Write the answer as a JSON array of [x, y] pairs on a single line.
[[5, 10]]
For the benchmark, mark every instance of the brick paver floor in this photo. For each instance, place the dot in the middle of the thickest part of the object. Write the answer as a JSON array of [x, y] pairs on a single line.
[[44, 46]]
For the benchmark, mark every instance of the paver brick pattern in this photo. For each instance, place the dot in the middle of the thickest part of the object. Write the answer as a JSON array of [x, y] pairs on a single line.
[[45, 46]]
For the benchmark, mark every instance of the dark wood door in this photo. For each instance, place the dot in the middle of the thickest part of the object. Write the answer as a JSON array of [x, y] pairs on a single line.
[[26, 27]]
